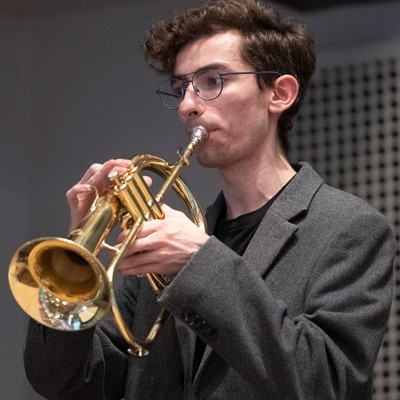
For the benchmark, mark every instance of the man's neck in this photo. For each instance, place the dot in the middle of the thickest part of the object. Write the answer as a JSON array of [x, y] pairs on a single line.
[[247, 188]]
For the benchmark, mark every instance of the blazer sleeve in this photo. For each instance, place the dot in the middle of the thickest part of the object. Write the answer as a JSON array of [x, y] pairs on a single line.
[[64, 365], [325, 350]]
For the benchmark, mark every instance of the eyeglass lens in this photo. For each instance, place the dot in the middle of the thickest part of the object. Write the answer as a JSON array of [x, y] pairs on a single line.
[[207, 84]]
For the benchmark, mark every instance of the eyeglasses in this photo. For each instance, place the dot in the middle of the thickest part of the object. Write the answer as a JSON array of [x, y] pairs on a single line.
[[207, 84]]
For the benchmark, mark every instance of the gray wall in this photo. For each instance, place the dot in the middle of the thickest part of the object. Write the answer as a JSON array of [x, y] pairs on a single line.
[[75, 90]]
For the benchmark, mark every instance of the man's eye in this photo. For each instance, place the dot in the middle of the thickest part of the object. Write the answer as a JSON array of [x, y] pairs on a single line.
[[207, 80], [177, 88], [213, 81]]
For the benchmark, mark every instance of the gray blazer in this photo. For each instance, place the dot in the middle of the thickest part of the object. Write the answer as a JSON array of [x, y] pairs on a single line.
[[300, 316]]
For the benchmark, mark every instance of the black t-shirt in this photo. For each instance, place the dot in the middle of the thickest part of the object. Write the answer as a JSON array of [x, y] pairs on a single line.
[[236, 233]]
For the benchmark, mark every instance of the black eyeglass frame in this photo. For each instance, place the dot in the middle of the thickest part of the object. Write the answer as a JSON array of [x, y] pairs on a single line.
[[185, 84]]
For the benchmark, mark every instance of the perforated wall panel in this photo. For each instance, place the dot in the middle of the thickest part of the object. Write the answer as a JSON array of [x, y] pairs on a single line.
[[348, 129]]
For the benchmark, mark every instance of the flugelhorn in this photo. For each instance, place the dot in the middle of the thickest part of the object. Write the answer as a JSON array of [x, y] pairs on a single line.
[[61, 282]]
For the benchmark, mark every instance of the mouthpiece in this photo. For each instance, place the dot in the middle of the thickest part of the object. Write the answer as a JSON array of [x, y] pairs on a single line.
[[199, 134]]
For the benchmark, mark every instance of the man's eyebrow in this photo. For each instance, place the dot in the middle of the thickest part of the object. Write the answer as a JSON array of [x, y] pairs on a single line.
[[217, 66]]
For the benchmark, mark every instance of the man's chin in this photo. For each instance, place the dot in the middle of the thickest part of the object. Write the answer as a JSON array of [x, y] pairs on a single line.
[[207, 162]]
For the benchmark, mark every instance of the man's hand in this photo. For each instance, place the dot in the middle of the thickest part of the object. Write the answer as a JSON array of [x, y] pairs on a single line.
[[163, 245], [81, 196]]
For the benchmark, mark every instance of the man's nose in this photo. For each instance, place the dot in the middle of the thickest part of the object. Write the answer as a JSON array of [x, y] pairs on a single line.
[[191, 104]]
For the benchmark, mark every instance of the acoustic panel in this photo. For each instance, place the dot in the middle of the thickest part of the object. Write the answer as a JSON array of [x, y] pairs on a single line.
[[348, 129]]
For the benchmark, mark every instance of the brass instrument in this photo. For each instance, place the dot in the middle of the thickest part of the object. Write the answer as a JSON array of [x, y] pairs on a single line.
[[63, 285]]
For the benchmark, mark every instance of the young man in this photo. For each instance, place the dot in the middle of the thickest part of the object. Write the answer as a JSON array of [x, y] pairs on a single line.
[[288, 295]]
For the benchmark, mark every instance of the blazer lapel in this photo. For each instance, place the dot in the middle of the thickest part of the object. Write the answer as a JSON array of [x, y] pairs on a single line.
[[273, 233], [279, 224]]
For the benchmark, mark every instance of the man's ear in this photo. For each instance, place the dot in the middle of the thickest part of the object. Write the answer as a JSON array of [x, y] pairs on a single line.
[[283, 94]]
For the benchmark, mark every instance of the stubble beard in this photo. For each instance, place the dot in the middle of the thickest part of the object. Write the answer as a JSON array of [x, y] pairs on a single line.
[[214, 157]]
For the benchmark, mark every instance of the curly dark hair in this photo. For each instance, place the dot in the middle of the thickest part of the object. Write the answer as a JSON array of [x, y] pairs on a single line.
[[269, 43]]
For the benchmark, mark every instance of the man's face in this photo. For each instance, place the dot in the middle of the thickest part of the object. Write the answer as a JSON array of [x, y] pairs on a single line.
[[238, 120]]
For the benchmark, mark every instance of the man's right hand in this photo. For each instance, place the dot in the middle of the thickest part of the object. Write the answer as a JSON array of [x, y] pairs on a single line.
[[81, 196]]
